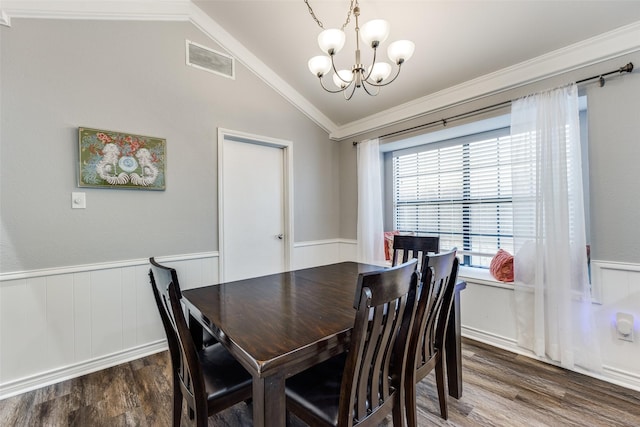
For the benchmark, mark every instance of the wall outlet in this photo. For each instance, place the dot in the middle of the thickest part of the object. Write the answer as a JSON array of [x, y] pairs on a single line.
[[624, 326]]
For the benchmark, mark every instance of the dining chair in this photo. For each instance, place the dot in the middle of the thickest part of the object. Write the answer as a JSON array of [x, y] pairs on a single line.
[[408, 247], [362, 386], [427, 338], [208, 379]]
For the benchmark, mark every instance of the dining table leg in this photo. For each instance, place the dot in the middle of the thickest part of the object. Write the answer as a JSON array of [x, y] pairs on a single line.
[[269, 401]]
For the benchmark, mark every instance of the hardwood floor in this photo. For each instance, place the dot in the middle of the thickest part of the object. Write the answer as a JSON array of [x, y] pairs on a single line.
[[500, 389]]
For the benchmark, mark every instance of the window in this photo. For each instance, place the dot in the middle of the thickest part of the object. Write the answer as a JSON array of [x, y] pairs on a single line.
[[456, 183], [459, 189]]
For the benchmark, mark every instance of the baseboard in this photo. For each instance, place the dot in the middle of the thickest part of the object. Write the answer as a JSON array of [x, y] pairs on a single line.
[[621, 378], [609, 374], [334, 250], [138, 339], [491, 339], [43, 379]]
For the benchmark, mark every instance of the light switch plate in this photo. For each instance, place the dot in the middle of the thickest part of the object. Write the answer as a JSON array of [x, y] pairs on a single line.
[[78, 201]]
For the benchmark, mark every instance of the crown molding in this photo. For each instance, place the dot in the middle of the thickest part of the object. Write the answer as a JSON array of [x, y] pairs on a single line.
[[212, 29], [606, 46], [166, 10], [4, 18], [139, 10]]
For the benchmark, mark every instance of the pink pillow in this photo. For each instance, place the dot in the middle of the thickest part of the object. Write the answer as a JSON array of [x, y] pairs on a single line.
[[388, 243], [502, 266]]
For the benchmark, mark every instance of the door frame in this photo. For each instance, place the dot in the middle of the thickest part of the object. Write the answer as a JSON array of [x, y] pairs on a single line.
[[287, 153]]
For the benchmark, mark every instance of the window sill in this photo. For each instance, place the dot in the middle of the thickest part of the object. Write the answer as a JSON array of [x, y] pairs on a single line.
[[481, 276]]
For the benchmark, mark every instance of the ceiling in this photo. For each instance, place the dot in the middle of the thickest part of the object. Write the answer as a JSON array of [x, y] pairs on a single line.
[[456, 41], [465, 50]]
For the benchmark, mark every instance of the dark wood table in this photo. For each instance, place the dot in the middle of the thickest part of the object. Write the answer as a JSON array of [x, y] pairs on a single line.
[[279, 325]]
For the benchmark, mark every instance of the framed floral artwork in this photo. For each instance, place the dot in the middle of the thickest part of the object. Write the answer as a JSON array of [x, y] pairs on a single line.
[[111, 159]]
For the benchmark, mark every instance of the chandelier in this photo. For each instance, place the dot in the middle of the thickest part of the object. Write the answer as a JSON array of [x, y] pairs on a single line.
[[372, 33]]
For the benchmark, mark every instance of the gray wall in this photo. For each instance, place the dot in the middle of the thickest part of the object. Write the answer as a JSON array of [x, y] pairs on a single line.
[[58, 75], [614, 161], [614, 157]]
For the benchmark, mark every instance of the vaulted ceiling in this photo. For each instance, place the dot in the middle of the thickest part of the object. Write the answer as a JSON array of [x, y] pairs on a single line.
[[464, 49], [456, 42]]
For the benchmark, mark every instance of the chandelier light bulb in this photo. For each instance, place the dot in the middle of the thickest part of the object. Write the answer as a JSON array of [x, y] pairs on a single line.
[[375, 32], [345, 78], [400, 51], [370, 77], [319, 65], [380, 71], [331, 41]]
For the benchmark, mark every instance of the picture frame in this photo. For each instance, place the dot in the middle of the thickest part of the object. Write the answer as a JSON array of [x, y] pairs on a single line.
[[110, 159]]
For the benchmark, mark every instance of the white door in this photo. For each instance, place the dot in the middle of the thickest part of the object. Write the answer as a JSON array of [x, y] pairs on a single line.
[[254, 233]]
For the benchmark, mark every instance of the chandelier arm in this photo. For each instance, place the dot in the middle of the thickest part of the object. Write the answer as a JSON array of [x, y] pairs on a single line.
[[375, 54], [353, 90], [333, 65], [389, 82], [364, 86], [333, 91]]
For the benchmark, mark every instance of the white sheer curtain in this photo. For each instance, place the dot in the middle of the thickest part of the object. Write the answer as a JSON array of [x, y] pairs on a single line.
[[370, 225], [553, 299]]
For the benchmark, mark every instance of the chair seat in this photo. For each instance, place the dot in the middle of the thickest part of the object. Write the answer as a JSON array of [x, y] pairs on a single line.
[[222, 373], [317, 389]]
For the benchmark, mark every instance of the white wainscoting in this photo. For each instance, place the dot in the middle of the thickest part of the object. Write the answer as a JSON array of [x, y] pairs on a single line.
[[619, 287], [322, 252], [489, 316], [66, 322], [62, 323]]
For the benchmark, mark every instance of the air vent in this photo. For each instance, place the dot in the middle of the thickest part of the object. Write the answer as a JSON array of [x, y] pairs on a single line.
[[206, 59]]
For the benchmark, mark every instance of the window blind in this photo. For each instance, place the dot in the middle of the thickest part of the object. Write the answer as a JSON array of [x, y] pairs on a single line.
[[459, 190]]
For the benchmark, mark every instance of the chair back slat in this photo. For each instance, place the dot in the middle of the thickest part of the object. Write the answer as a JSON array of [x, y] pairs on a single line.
[[385, 304], [414, 247], [434, 304]]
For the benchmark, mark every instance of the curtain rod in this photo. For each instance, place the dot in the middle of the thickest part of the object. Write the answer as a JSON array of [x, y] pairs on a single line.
[[625, 69]]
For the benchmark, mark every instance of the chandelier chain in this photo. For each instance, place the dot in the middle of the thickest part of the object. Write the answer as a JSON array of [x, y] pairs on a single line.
[[313, 15]]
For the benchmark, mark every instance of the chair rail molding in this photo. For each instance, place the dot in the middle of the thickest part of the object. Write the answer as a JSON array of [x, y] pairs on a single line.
[[54, 271], [82, 317], [85, 318], [92, 317]]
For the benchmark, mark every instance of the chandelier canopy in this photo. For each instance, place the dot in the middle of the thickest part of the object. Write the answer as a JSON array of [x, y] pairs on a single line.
[[373, 34]]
